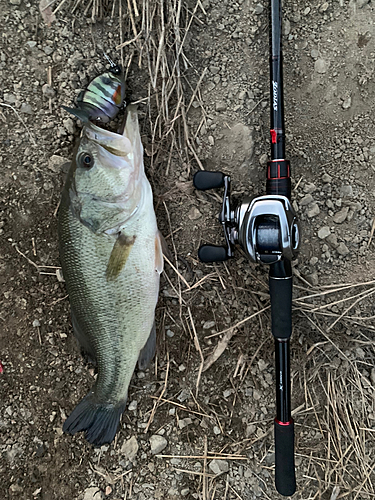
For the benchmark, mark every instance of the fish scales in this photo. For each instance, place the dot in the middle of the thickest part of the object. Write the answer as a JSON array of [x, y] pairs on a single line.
[[113, 314]]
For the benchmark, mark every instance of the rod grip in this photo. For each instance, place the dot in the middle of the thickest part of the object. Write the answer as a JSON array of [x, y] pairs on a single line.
[[281, 307], [285, 475], [205, 179]]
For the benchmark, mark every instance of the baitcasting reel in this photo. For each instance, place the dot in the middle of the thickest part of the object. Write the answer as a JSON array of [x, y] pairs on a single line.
[[265, 226]]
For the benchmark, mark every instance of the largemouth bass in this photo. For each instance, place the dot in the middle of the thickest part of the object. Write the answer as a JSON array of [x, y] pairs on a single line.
[[111, 256]]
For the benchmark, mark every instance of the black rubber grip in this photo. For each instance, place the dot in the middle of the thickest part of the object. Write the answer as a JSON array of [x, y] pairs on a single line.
[[281, 307], [212, 253], [208, 180], [285, 474]]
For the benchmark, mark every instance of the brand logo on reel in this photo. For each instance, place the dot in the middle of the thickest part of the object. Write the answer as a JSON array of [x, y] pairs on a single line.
[[274, 86]]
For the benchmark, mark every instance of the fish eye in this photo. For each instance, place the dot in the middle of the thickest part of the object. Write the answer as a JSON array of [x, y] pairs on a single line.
[[86, 160]]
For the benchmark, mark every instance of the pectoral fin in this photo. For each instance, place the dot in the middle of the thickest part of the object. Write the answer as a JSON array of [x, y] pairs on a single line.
[[159, 262], [119, 255]]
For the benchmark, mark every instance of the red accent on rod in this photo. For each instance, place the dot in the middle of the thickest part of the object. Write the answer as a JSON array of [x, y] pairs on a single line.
[[284, 423], [273, 136]]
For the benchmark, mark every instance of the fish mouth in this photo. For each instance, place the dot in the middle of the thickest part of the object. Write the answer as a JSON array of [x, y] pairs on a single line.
[[113, 142]]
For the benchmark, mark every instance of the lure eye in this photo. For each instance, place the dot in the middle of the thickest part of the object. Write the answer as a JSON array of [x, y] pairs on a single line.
[[86, 160], [115, 70]]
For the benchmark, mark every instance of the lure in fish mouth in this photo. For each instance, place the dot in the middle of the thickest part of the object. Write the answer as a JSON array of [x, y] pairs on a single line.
[[111, 257], [103, 97]]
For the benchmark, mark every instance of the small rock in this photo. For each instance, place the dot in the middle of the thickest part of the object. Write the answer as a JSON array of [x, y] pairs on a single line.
[[55, 163], [270, 459], [211, 140], [263, 159], [346, 191], [326, 178], [108, 490], [214, 70], [130, 448], [306, 200], [342, 249], [313, 279], [133, 405], [220, 106], [320, 66], [314, 211], [48, 91], [324, 7], [185, 492], [194, 213], [158, 443], [313, 261], [208, 324], [324, 232], [258, 9], [48, 50], [183, 396], [219, 466], [286, 27], [347, 103], [314, 53], [15, 488], [15, 2], [26, 108], [170, 334], [217, 431], [69, 125], [36, 323], [309, 188], [307, 11], [262, 365], [9, 98], [340, 216], [184, 422], [256, 395], [332, 240], [93, 493]]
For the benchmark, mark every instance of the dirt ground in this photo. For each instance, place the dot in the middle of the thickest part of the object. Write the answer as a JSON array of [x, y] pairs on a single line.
[[188, 435]]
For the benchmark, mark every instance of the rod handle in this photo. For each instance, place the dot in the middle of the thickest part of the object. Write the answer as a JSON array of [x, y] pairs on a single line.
[[212, 253], [205, 179], [281, 306], [285, 475]]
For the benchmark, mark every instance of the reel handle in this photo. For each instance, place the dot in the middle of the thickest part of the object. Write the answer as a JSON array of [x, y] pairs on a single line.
[[212, 253], [205, 179]]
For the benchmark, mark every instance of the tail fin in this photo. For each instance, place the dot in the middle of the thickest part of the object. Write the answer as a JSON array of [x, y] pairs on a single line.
[[100, 421]]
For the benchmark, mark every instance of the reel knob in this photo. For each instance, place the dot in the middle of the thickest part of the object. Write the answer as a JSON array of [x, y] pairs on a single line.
[[212, 253], [204, 180]]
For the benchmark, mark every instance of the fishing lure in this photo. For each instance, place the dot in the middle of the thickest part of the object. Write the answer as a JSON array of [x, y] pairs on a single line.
[[103, 97]]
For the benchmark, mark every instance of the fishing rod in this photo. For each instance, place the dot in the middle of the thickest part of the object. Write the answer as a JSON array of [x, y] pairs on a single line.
[[266, 228]]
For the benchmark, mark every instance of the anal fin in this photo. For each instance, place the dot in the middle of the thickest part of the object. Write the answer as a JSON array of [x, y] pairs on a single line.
[[87, 349], [148, 351]]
